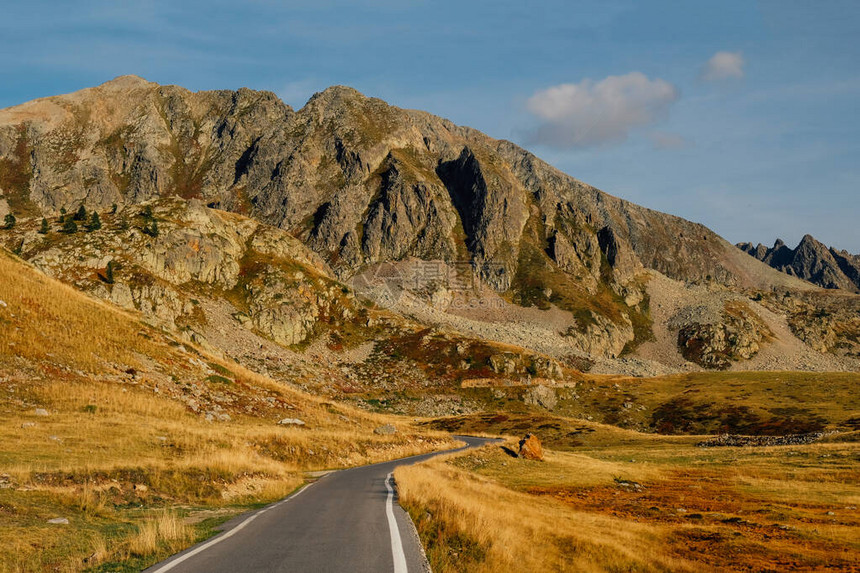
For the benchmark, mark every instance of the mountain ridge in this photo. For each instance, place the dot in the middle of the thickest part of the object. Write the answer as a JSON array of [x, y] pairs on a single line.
[[168, 151], [812, 261], [363, 185]]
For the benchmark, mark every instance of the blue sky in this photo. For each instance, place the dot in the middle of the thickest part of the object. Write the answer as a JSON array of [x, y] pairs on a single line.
[[743, 116]]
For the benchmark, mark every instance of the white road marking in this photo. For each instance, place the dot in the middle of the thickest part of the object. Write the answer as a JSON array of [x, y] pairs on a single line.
[[396, 544], [226, 535]]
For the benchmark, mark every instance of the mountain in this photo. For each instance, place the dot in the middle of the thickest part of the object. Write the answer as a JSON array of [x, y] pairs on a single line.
[[358, 180], [274, 220], [812, 261]]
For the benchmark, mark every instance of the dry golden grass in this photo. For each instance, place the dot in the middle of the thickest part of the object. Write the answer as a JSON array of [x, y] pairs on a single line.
[[471, 523], [164, 529], [63, 325], [655, 503], [121, 455]]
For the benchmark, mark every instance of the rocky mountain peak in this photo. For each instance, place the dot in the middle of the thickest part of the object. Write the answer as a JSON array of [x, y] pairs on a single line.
[[125, 82], [812, 261]]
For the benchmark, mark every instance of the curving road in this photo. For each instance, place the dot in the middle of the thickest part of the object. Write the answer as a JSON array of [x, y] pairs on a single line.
[[347, 521]]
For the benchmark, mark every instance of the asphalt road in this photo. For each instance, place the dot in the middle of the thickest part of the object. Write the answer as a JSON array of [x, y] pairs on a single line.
[[347, 521]]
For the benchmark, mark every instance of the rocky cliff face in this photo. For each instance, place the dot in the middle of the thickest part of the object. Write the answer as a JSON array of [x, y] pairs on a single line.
[[812, 261]]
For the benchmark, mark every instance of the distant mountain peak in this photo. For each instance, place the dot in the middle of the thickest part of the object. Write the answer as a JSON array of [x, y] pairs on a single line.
[[812, 261]]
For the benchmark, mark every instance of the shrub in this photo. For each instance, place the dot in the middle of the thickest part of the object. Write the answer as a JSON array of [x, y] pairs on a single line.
[[9, 221], [43, 230]]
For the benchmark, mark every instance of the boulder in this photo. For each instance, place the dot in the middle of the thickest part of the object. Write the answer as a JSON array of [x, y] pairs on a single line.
[[542, 396], [530, 448], [503, 363], [58, 521], [291, 422], [386, 430]]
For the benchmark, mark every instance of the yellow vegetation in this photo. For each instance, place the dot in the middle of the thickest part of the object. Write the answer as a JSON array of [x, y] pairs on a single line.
[[627, 502], [121, 455]]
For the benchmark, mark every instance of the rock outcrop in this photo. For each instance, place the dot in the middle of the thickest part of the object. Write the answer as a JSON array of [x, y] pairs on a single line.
[[542, 396], [530, 448], [811, 261], [271, 282], [735, 335]]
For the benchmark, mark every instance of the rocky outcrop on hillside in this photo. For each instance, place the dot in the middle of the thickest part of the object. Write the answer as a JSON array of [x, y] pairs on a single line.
[[251, 292], [827, 321], [811, 261], [271, 282], [735, 335]]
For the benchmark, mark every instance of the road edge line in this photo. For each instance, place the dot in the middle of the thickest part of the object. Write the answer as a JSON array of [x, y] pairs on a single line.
[[226, 535], [397, 552]]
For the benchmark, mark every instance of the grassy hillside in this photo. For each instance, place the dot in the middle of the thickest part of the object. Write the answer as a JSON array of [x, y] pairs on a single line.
[[142, 443]]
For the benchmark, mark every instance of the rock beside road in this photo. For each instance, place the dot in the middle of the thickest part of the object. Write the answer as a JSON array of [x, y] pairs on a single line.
[[530, 448]]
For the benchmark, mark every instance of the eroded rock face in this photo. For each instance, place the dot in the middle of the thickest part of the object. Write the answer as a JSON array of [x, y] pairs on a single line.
[[273, 283], [542, 396], [737, 336], [828, 321], [599, 336], [518, 365]]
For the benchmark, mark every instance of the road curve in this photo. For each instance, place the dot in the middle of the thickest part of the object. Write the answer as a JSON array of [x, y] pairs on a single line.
[[343, 522]]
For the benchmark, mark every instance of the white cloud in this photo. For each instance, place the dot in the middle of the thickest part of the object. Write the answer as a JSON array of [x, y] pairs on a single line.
[[667, 140], [723, 66], [594, 113]]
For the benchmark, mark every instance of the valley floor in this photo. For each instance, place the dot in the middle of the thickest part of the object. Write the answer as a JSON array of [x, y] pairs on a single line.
[[607, 499]]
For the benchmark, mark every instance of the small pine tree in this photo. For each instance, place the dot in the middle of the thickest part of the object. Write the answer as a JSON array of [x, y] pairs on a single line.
[[81, 214], [43, 230], [147, 213], [113, 209], [70, 227], [95, 222], [151, 229], [109, 273], [9, 221]]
